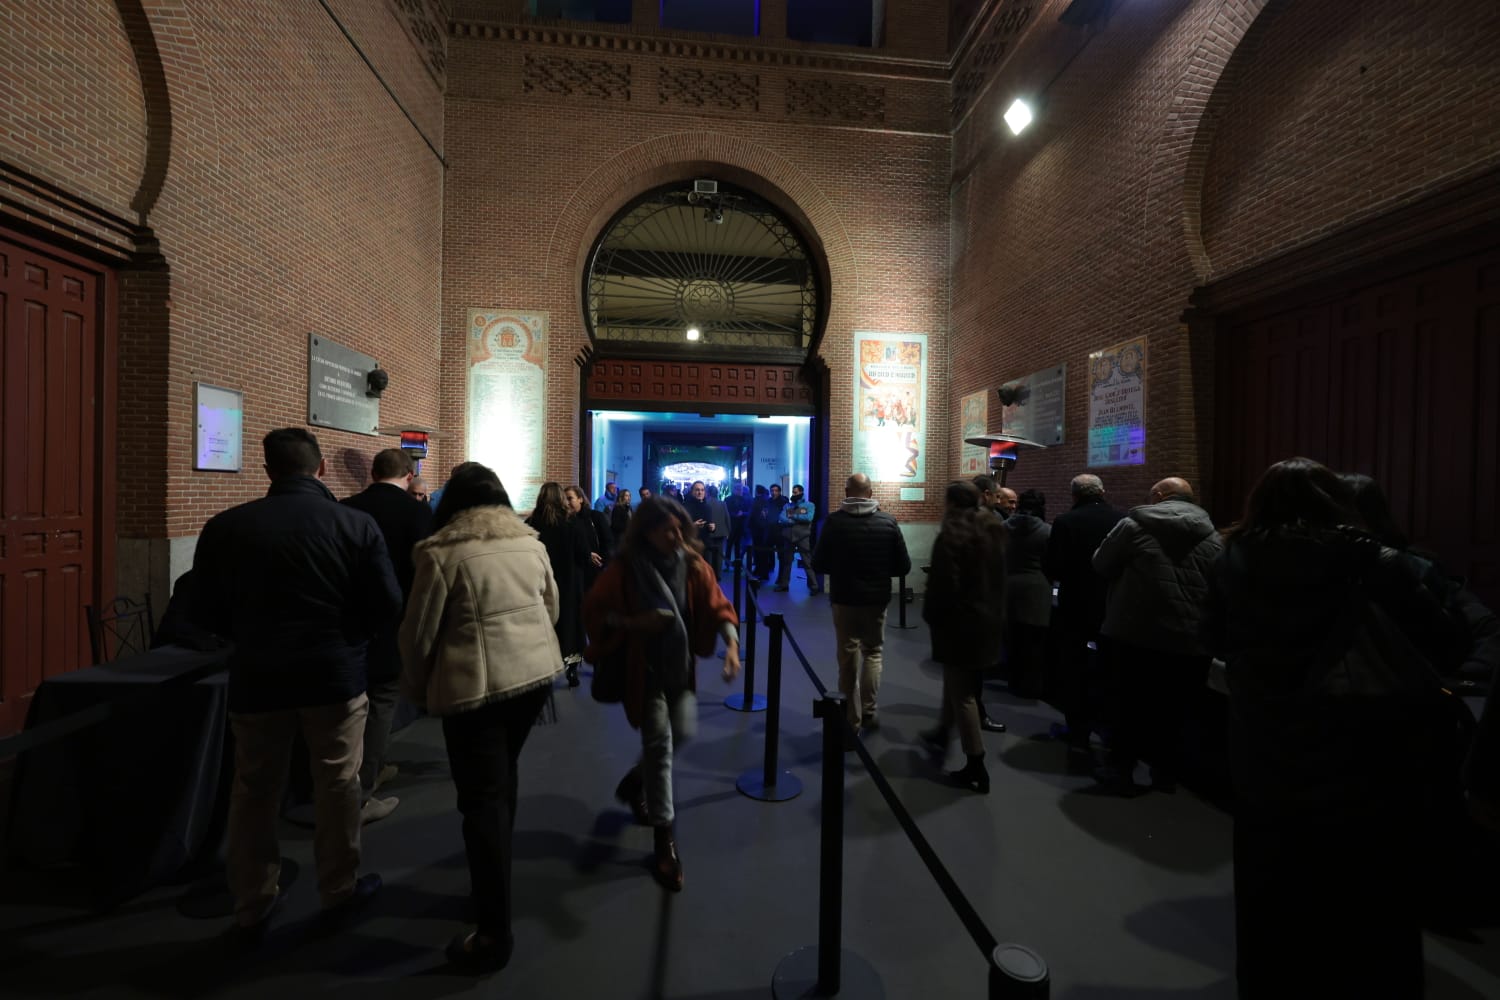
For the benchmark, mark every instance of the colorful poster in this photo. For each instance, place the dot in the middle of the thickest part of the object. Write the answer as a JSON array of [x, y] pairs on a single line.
[[508, 399], [1035, 408], [1117, 405], [890, 406], [974, 460]]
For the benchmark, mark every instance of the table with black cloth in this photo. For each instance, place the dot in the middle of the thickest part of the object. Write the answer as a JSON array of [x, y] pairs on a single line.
[[141, 798]]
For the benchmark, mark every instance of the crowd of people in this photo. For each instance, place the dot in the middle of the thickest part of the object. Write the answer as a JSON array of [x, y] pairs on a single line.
[[1335, 634]]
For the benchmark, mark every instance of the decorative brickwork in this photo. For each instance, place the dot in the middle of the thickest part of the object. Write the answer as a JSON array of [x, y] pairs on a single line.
[[426, 24], [995, 40], [676, 384], [568, 77], [722, 90], [835, 101]]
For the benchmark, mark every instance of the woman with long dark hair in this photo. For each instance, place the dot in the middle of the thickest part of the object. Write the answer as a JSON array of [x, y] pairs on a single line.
[[1331, 641], [1028, 595], [655, 609], [594, 528], [965, 607], [479, 651], [619, 516], [568, 549]]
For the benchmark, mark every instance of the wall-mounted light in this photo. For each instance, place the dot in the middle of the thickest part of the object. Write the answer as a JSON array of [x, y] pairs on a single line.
[[1018, 116], [693, 333]]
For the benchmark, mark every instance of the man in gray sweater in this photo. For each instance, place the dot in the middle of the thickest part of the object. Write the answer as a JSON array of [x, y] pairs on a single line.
[[1157, 561]]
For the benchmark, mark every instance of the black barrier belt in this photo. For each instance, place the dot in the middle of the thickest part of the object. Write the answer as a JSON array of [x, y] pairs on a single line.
[[972, 922], [96, 714], [817, 681]]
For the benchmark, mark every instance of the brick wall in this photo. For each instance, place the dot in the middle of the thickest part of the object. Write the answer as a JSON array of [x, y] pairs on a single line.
[[1088, 229], [297, 198], [534, 175]]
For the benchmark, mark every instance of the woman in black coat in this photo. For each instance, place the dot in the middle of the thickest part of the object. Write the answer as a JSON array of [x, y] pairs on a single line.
[[568, 550], [1331, 641], [1028, 595], [619, 514], [965, 607]]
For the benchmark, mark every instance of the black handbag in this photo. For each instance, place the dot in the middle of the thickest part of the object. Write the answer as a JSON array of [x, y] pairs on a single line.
[[608, 684]]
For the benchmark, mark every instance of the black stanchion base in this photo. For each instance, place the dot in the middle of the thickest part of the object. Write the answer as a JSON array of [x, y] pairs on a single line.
[[797, 976], [736, 701], [753, 784]]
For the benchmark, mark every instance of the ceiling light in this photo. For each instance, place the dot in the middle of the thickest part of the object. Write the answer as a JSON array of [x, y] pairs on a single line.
[[693, 333], [1018, 116]]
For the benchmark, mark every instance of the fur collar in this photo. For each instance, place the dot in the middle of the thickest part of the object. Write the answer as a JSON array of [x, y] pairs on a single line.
[[480, 524]]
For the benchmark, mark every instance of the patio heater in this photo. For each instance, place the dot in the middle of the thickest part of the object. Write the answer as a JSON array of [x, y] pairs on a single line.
[[1004, 449]]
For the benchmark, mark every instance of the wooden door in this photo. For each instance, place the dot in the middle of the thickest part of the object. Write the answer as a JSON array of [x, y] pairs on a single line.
[[1398, 379], [50, 324]]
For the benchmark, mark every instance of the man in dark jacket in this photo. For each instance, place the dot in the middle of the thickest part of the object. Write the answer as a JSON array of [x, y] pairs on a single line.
[[1157, 560], [762, 519], [712, 520], [299, 583], [1076, 535], [403, 521], [861, 548]]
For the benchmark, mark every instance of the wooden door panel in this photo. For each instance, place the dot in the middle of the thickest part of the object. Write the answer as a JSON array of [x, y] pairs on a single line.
[[1399, 380], [50, 327]]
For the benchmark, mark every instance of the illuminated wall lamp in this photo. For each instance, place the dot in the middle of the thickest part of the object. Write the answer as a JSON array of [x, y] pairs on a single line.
[[1018, 116], [693, 333]]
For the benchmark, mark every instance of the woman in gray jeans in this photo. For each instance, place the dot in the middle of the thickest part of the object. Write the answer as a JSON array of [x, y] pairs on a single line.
[[651, 613]]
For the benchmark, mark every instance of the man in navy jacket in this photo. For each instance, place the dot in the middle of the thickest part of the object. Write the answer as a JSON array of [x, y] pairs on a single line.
[[299, 583]]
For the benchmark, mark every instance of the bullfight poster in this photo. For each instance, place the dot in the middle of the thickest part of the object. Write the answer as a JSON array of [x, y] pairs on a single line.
[[890, 406], [1117, 405], [508, 398]]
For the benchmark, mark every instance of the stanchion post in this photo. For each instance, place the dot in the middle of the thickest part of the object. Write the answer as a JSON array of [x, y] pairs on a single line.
[[777, 627], [768, 784], [749, 701], [901, 600], [831, 849], [1018, 973]]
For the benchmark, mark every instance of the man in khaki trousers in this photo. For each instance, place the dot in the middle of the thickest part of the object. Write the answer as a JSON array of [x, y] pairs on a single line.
[[299, 583]]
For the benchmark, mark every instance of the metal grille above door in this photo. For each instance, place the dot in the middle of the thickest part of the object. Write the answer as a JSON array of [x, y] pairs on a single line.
[[706, 256]]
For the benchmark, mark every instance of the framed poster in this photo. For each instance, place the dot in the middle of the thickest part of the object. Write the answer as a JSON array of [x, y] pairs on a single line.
[[890, 406], [218, 428], [508, 398], [1117, 405]]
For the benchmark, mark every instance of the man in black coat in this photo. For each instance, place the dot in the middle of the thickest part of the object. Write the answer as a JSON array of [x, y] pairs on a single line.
[[712, 518], [403, 521], [1080, 600], [861, 548], [299, 583]]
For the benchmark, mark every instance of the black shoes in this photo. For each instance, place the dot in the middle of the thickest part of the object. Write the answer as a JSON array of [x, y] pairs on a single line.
[[973, 776], [475, 953], [990, 725], [246, 937], [666, 866], [632, 792]]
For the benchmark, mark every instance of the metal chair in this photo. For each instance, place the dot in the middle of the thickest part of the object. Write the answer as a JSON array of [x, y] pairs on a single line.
[[122, 629]]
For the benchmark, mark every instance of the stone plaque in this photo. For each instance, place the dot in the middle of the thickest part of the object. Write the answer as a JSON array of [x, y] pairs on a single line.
[[336, 384]]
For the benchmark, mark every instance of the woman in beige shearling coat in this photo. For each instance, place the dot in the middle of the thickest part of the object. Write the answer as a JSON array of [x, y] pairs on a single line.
[[479, 650]]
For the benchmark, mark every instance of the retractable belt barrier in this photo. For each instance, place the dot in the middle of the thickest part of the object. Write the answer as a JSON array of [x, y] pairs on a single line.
[[1016, 972]]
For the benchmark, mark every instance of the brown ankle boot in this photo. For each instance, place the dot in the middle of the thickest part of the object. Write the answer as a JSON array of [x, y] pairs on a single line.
[[666, 867]]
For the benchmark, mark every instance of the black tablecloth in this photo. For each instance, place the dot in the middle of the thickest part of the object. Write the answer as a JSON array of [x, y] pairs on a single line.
[[143, 797]]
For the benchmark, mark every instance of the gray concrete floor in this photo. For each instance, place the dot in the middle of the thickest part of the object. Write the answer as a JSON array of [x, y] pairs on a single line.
[[1124, 898]]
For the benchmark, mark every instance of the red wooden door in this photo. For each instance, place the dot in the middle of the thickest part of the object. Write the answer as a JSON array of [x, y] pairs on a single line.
[[1400, 380], [50, 324]]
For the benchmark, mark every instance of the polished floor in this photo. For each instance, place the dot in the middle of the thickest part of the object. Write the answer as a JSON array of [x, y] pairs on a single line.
[[1123, 898]]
